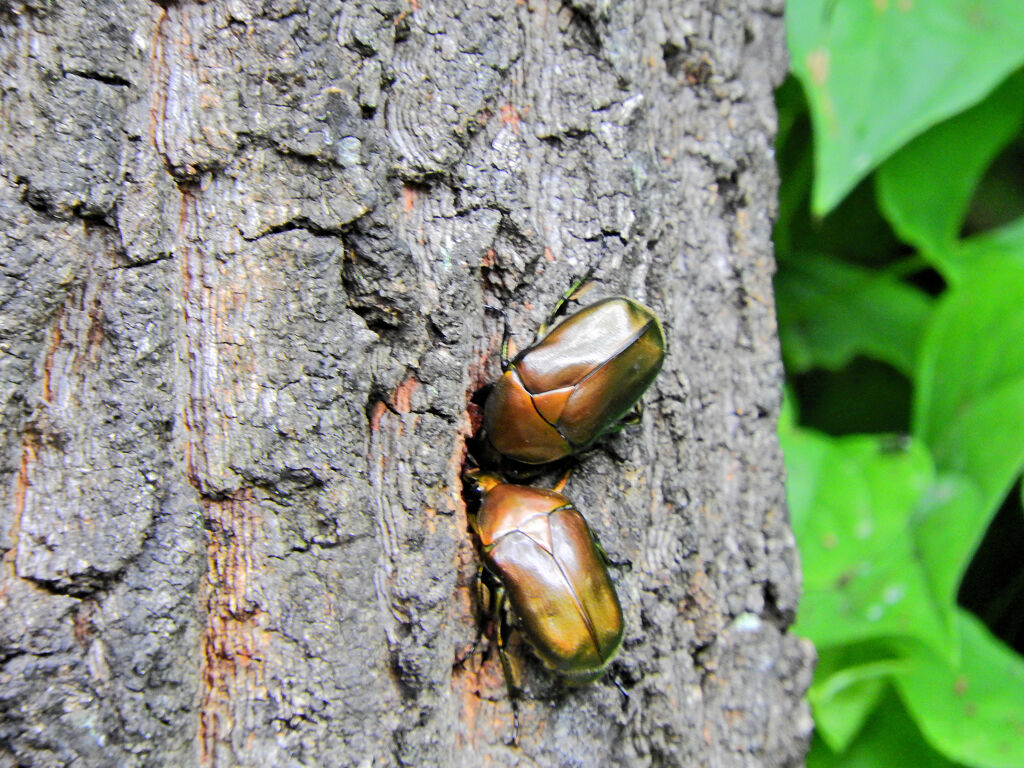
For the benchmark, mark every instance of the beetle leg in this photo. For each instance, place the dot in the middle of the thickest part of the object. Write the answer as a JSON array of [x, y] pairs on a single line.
[[562, 481], [564, 299], [483, 596], [506, 666], [506, 335], [631, 418], [625, 695], [604, 554], [619, 686]]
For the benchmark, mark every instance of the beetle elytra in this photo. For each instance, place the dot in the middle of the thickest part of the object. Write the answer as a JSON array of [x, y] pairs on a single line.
[[559, 395], [552, 576]]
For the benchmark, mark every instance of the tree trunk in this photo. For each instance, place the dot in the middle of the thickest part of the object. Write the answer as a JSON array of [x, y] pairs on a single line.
[[248, 259]]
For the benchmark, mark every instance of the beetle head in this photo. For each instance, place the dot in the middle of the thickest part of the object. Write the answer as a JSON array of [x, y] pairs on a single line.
[[481, 481]]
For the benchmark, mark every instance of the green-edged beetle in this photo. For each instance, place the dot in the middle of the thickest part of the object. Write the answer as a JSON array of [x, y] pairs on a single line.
[[558, 396], [552, 574]]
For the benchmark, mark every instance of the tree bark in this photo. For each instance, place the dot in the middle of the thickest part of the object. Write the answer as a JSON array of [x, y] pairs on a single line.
[[248, 254]]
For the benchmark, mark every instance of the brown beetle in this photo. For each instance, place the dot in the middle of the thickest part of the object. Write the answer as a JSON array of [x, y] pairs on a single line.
[[558, 396], [553, 575]]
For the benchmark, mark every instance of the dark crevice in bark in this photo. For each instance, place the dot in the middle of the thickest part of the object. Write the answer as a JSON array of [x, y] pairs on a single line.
[[128, 265], [732, 195], [367, 284], [37, 200], [772, 613], [9, 654], [403, 29], [583, 30], [105, 78], [380, 319], [378, 400], [84, 584], [302, 224], [673, 56]]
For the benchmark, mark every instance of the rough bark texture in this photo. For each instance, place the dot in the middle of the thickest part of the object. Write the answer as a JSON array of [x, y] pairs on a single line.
[[247, 250]]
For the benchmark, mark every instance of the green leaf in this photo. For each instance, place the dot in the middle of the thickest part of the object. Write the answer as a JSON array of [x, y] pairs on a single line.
[[925, 188], [796, 164], [948, 526], [839, 717], [848, 683], [830, 312], [969, 394], [788, 414], [879, 73], [889, 739], [851, 501], [985, 252], [972, 712]]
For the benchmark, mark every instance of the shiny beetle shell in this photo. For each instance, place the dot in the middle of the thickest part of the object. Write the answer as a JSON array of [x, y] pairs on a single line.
[[561, 394], [541, 550]]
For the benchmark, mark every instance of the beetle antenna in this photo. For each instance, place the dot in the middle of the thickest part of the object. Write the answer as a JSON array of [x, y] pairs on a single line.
[[579, 281], [506, 335], [574, 286], [506, 665]]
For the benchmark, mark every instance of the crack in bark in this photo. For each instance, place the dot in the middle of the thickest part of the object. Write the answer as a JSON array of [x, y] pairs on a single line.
[[114, 80], [301, 224]]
